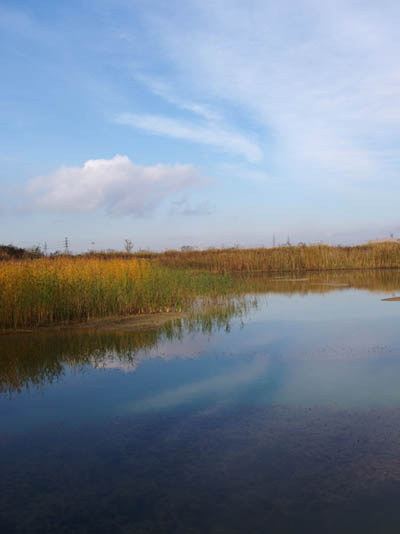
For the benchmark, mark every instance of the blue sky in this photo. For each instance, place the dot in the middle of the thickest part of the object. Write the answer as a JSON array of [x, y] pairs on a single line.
[[201, 123]]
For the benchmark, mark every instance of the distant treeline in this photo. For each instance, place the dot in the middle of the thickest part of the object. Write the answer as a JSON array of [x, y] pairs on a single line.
[[10, 252]]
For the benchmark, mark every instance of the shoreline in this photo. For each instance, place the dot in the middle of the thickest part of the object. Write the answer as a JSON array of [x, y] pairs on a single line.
[[332, 278], [132, 323]]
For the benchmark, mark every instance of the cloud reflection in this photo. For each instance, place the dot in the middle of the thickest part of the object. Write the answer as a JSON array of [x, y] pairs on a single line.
[[243, 375]]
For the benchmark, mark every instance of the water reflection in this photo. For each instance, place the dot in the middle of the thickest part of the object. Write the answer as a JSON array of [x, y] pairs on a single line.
[[39, 358], [244, 374], [378, 280], [278, 412], [36, 359]]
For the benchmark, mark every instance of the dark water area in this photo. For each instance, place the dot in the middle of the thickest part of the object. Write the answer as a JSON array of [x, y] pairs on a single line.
[[278, 414]]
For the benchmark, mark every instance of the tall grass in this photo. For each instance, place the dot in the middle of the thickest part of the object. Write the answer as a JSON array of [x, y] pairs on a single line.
[[64, 289], [60, 290], [285, 259]]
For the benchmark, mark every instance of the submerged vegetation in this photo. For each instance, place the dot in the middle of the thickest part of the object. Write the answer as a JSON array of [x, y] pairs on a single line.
[[37, 291]]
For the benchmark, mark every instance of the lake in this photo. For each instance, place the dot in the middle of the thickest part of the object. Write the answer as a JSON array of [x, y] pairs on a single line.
[[278, 413]]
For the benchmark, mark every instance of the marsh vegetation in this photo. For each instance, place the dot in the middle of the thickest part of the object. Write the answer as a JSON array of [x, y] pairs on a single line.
[[277, 401], [40, 291]]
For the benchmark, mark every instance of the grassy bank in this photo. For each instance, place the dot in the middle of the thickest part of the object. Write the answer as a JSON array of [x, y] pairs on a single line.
[[66, 289]]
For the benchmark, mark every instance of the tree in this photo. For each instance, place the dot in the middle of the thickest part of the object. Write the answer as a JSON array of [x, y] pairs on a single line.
[[128, 245]]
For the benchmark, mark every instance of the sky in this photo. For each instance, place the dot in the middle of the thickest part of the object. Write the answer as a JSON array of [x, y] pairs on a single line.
[[200, 123]]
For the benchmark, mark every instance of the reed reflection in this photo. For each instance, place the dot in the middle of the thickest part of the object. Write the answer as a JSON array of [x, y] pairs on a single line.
[[382, 280], [39, 358]]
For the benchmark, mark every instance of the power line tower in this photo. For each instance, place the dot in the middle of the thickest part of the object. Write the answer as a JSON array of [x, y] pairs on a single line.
[[66, 245]]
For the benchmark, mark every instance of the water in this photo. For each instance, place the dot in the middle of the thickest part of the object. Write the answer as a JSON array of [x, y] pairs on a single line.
[[282, 418]]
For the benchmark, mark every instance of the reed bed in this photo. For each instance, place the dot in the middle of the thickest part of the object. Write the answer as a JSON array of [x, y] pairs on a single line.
[[285, 259], [66, 289]]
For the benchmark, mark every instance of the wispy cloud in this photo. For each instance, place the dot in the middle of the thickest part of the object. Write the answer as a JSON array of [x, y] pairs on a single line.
[[323, 78], [204, 133], [116, 185], [299, 97], [221, 385], [163, 89]]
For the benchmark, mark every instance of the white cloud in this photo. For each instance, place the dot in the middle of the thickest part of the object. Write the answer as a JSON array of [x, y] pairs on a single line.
[[205, 133], [116, 185]]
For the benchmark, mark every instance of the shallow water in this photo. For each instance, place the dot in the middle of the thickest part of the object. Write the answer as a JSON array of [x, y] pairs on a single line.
[[284, 418]]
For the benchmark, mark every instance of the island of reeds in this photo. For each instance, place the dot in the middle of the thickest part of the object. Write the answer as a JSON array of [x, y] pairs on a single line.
[[36, 290]]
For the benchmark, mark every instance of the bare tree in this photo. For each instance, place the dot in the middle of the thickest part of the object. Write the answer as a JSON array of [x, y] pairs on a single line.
[[128, 245]]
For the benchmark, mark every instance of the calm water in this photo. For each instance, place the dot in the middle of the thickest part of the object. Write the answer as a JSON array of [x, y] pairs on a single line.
[[285, 418]]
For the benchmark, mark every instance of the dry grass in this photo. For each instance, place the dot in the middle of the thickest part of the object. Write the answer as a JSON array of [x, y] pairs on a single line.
[[285, 259], [65, 289]]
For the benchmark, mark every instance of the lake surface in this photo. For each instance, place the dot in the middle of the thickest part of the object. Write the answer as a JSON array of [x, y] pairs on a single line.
[[280, 414]]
